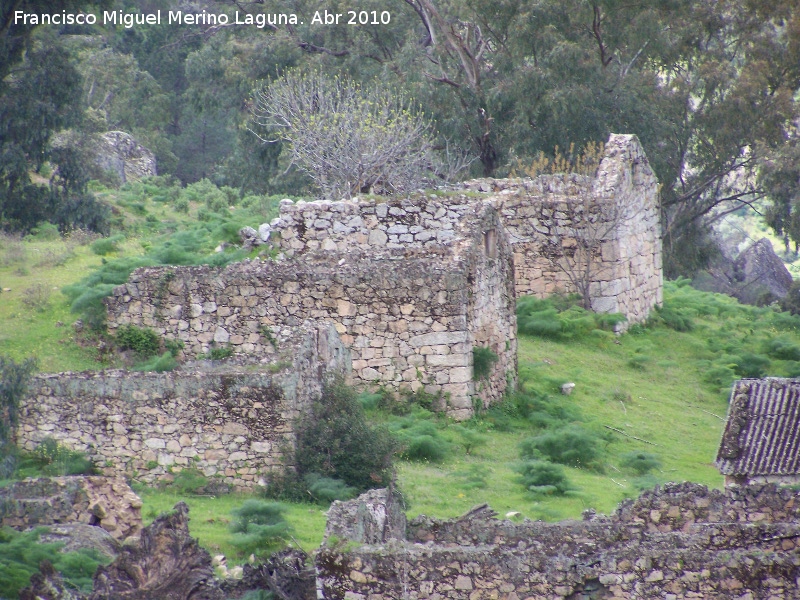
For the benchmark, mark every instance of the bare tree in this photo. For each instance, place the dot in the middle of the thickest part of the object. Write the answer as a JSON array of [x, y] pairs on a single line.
[[578, 253], [348, 138]]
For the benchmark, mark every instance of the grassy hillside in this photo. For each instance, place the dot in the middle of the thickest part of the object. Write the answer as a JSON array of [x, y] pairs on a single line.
[[648, 404]]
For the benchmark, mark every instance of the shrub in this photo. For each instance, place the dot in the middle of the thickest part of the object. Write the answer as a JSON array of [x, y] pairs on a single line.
[[159, 364], [543, 478], [558, 318], [14, 378], [189, 481], [143, 341], [105, 246], [334, 440], [782, 348], [640, 462], [217, 353], [674, 318], [327, 489], [572, 446], [21, 553], [51, 459], [751, 365], [482, 361], [37, 297], [259, 527], [419, 438], [45, 231]]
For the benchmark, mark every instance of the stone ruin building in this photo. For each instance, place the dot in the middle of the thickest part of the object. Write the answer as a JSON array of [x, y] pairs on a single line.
[[676, 542], [406, 288], [761, 440]]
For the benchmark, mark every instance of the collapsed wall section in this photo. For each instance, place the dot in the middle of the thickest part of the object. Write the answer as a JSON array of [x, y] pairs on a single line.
[[574, 233], [232, 424], [680, 541]]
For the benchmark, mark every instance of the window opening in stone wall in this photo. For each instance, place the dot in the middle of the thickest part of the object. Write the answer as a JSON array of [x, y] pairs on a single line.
[[490, 243]]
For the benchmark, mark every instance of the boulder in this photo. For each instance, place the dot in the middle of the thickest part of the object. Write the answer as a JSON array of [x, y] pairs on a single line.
[[165, 563], [756, 276], [80, 536], [121, 153]]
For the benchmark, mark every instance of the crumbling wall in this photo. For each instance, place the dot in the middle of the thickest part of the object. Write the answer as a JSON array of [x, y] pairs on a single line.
[[616, 213], [231, 423], [403, 315], [682, 541], [107, 502]]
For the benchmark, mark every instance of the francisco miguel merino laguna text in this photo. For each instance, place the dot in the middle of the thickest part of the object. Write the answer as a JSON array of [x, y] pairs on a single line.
[[177, 17]]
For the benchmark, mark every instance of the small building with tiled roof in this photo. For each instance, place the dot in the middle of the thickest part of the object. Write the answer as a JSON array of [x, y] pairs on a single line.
[[761, 441]]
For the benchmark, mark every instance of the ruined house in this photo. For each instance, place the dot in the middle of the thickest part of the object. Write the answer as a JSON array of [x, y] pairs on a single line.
[[761, 440], [412, 289]]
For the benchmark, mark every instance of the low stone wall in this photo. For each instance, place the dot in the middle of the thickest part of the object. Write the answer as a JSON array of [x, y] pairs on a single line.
[[107, 502], [228, 422], [682, 541]]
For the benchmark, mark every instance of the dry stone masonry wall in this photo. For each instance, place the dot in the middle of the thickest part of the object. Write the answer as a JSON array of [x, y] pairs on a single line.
[[410, 316], [682, 541], [106, 502], [616, 213], [232, 424]]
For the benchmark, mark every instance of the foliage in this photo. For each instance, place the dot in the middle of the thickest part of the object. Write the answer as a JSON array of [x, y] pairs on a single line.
[[21, 553], [640, 462], [107, 245], [326, 489], [419, 437], [347, 137], [259, 527], [189, 481], [51, 459], [142, 340], [482, 360], [37, 296], [14, 378], [572, 445], [544, 318], [541, 477], [159, 364], [219, 353], [334, 440]]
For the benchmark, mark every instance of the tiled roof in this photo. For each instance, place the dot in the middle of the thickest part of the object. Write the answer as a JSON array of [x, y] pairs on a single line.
[[762, 433]]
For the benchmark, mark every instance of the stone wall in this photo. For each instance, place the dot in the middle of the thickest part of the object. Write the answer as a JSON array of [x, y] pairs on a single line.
[[682, 541], [551, 220], [107, 502], [410, 316], [229, 422]]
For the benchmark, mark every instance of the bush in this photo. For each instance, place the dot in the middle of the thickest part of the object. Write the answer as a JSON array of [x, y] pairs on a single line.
[[782, 348], [217, 353], [37, 297], [334, 440], [482, 361], [559, 318], [158, 364], [51, 459], [326, 489], [189, 481], [105, 246], [21, 553], [675, 318], [143, 341], [543, 478], [640, 462], [14, 379], [259, 527], [572, 446], [751, 365], [419, 438]]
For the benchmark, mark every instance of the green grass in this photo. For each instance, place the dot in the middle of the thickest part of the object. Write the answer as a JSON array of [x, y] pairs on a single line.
[[210, 518], [667, 387]]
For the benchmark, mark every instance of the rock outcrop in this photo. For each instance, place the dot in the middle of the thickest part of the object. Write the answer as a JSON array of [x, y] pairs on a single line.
[[166, 563], [122, 154]]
